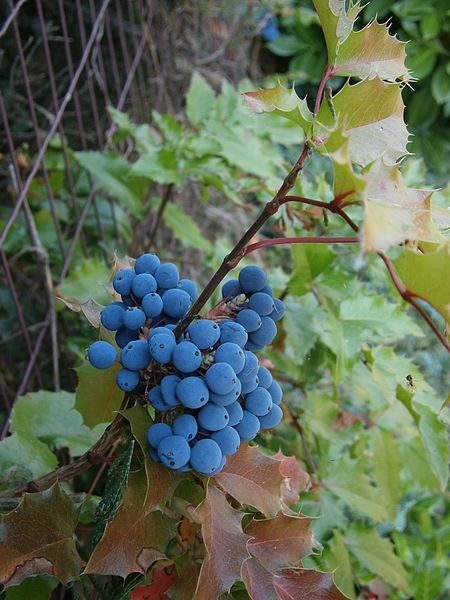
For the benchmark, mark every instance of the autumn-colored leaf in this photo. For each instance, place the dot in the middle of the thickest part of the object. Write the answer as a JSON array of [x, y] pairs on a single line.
[[38, 537], [184, 587], [258, 581], [226, 546], [305, 584], [97, 396], [135, 538], [279, 542], [162, 580], [295, 479]]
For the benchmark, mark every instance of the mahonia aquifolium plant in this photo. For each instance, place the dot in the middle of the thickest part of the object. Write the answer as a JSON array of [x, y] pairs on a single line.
[[207, 387]]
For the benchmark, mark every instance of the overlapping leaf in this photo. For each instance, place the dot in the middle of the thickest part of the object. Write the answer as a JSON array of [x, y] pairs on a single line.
[[97, 396], [336, 22], [306, 584]]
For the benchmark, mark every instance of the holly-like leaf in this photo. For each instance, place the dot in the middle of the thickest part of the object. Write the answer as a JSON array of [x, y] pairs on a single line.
[[254, 479], [258, 581], [38, 588], [137, 536], [386, 466], [51, 417], [162, 580], [22, 458], [306, 584], [377, 555], [281, 101], [200, 99], [97, 396], [85, 283], [226, 546], [184, 587], [38, 538], [279, 542], [336, 22], [90, 309], [427, 274], [295, 479], [309, 261], [348, 186], [370, 114]]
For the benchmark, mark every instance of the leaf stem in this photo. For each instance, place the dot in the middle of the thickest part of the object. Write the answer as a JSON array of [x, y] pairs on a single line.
[[325, 77], [162, 205]]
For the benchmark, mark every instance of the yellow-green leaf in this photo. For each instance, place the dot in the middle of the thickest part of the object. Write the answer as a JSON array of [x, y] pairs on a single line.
[[386, 465], [336, 22], [97, 397]]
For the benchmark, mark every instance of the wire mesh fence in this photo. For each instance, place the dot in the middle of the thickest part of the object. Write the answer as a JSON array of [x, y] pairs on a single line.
[[62, 63]]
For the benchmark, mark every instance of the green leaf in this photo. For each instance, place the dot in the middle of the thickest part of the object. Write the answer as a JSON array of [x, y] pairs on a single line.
[[199, 99], [38, 538], [35, 588], [160, 165], [336, 22], [97, 396], [284, 102], [90, 309], [22, 458], [86, 283], [338, 560], [427, 274], [349, 483], [386, 465], [434, 436], [440, 85], [377, 555], [310, 260], [51, 417]]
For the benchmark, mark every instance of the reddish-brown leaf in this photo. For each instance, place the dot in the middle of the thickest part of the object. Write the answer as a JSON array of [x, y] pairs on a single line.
[[305, 584], [254, 479], [258, 581], [280, 542], [295, 479], [135, 538], [184, 587], [226, 546], [38, 537], [162, 580]]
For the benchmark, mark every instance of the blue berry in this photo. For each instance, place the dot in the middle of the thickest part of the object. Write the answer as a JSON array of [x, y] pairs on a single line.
[[279, 310], [235, 413], [267, 289], [186, 357], [152, 304], [157, 432], [168, 387], [273, 418], [192, 392], [249, 319], [124, 336], [248, 427], [220, 378], [258, 402], [265, 377], [253, 347], [251, 367], [167, 276], [252, 279], [233, 332], [176, 303], [206, 457], [134, 318], [266, 333], [186, 426], [161, 347], [226, 399], [276, 392], [232, 354], [231, 288], [128, 301], [127, 380], [111, 316], [249, 385], [158, 330], [143, 284], [227, 439], [135, 356], [102, 355], [212, 417], [188, 286], [261, 303], [174, 451], [204, 333], [155, 398], [147, 263], [122, 281]]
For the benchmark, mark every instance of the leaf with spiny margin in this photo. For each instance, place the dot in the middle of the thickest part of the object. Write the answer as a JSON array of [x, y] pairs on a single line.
[[348, 186], [97, 396], [372, 52], [184, 587], [24, 457], [38, 538], [295, 479], [137, 536], [377, 554], [284, 102], [225, 542], [370, 114], [258, 581], [336, 22], [279, 542], [349, 483], [394, 212], [386, 468], [90, 309], [51, 417], [427, 274], [306, 584], [338, 560], [310, 260]]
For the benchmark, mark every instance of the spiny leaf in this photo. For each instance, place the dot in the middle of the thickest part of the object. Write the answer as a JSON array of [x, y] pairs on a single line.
[[279, 542], [336, 22], [386, 466], [38, 537], [135, 538], [281, 101], [348, 186], [258, 581], [370, 114], [293, 584], [184, 587], [90, 309], [310, 260], [295, 479], [22, 458], [225, 544], [97, 396]]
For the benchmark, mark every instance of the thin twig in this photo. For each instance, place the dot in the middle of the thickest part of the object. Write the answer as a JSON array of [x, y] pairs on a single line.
[[162, 205]]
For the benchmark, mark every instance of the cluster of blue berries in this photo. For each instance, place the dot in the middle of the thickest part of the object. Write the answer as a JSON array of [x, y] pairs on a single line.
[[208, 386]]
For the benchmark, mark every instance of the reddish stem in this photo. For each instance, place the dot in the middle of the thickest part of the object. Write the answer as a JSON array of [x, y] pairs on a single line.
[[325, 77], [300, 240]]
